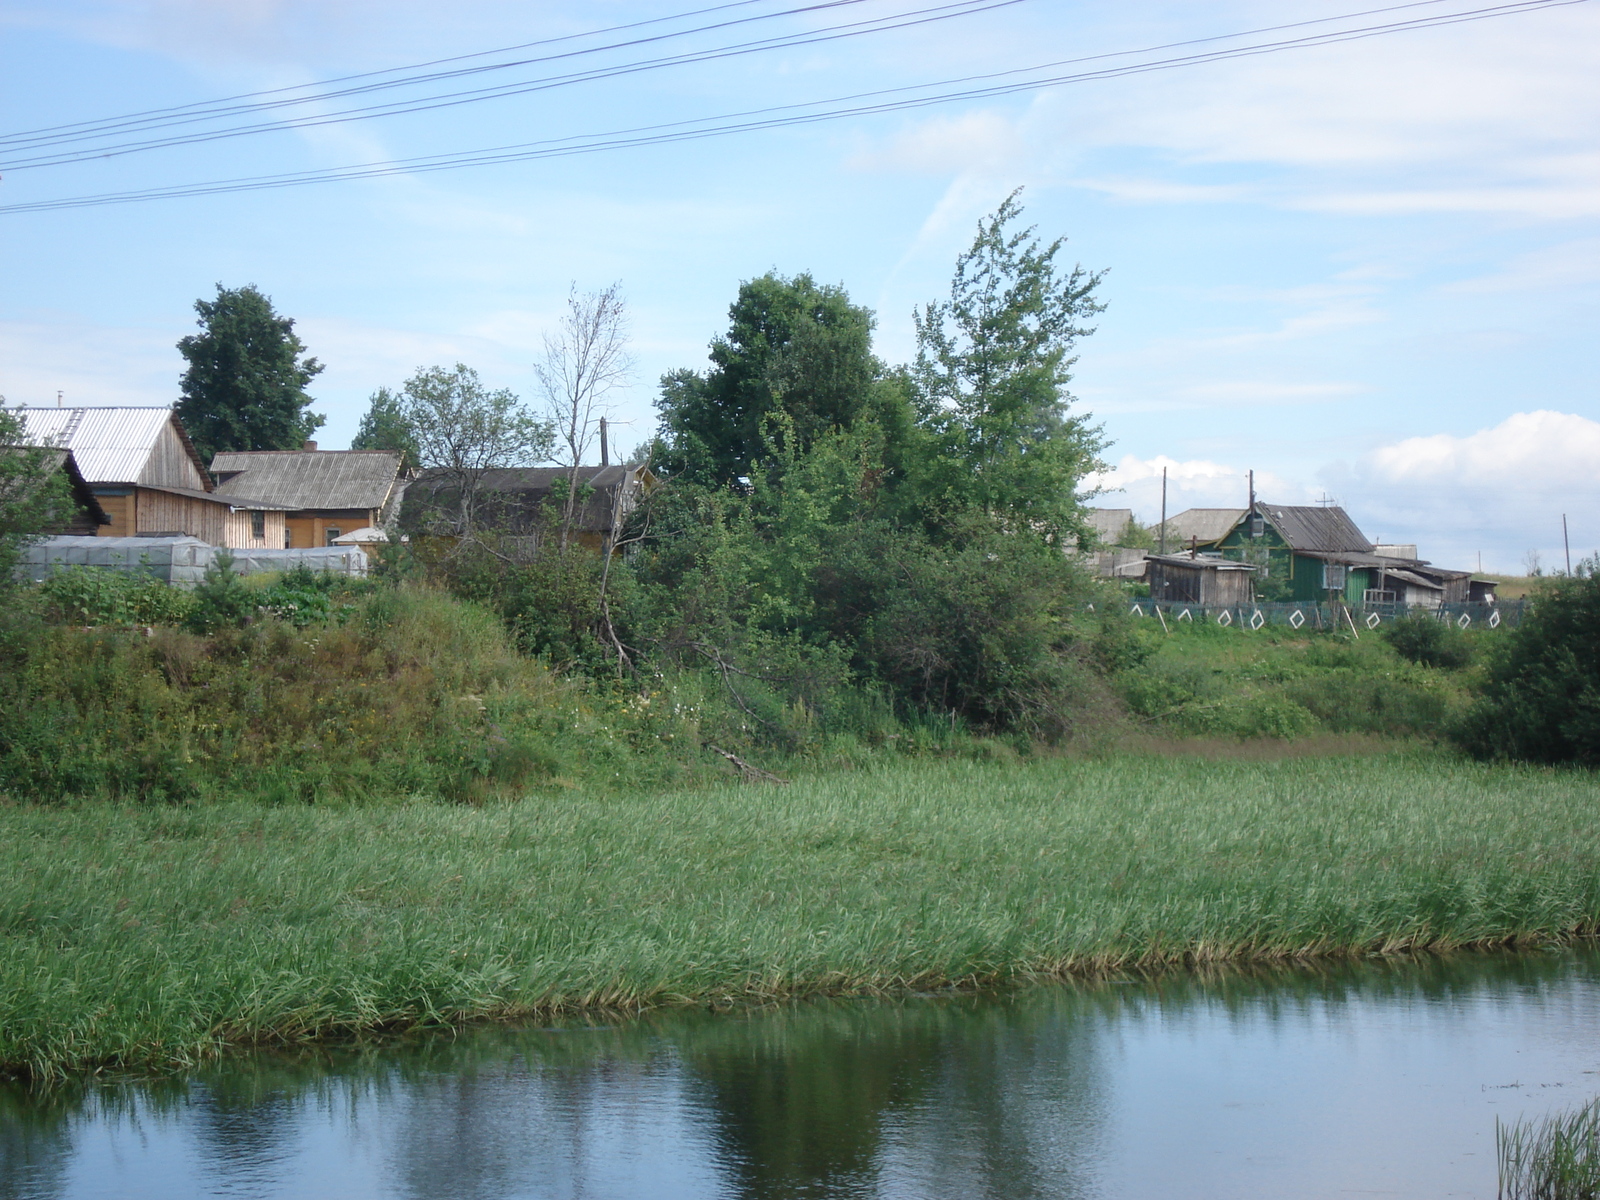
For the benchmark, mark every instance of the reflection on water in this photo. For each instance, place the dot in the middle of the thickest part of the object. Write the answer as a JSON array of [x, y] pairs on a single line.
[[1379, 1079]]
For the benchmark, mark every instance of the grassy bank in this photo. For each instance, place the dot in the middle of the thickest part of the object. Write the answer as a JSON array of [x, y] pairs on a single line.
[[143, 936]]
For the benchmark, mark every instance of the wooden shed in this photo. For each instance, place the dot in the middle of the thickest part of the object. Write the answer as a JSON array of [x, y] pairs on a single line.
[[1204, 579]]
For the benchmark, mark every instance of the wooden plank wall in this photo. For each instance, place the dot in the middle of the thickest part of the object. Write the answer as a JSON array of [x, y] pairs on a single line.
[[241, 534], [169, 464]]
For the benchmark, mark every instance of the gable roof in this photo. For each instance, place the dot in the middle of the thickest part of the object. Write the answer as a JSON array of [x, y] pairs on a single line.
[[111, 444], [1316, 528], [303, 479], [1204, 525], [514, 498]]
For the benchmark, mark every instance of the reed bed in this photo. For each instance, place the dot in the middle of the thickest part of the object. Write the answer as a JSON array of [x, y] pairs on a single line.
[[149, 938], [1556, 1157]]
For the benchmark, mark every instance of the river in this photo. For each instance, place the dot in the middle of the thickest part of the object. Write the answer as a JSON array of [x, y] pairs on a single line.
[[1378, 1079]]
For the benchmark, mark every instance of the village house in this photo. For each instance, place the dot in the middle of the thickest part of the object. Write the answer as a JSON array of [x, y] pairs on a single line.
[[527, 503], [326, 494], [1318, 551], [147, 478]]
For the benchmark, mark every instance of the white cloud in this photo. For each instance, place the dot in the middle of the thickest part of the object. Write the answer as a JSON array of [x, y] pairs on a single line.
[[1568, 264], [1501, 490], [973, 141], [88, 363], [1135, 483]]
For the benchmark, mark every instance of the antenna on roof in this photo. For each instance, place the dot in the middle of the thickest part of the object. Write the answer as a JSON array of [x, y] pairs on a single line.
[[58, 397]]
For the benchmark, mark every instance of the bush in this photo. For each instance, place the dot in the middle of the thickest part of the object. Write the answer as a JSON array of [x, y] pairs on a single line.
[[107, 596], [1429, 642], [1541, 700], [221, 599]]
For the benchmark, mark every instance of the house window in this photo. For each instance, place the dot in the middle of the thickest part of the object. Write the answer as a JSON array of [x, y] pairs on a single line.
[[1333, 577], [332, 533], [258, 525]]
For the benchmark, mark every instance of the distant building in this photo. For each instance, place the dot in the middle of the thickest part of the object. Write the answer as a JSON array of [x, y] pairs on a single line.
[[528, 502], [1319, 551], [1204, 579], [325, 493], [147, 478]]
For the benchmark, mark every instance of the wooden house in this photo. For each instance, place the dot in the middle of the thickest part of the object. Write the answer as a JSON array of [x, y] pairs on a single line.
[[1208, 580], [528, 502], [326, 493], [147, 478]]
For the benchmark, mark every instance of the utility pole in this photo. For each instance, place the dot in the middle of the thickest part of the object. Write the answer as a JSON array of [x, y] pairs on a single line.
[[1163, 510], [604, 450], [1566, 545]]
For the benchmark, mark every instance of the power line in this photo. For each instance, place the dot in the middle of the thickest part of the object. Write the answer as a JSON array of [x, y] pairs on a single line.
[[232, 106], [860, 104], [900, 20]]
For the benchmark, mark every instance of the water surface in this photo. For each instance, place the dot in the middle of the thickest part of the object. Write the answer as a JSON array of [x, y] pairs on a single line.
[[1378, 1080]]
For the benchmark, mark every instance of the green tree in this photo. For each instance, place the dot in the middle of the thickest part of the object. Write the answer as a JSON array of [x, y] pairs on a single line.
[[34, 493], [245, 385], [792, 347], [462, 430], [384, 427], [991, 373]]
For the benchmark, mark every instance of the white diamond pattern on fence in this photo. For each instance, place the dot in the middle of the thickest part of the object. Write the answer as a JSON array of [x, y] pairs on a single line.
[[1373, 620], [1224, 617], [1257, 620], [1297, 619]]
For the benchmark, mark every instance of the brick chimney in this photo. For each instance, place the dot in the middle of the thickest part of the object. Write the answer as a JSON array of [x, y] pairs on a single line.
[[309, 446]]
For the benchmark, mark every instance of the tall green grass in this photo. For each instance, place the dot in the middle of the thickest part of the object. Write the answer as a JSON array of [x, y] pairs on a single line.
[[1552, 1158], [155, 936]]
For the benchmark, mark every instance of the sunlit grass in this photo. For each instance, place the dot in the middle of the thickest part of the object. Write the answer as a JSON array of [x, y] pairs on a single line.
[[140, 936]]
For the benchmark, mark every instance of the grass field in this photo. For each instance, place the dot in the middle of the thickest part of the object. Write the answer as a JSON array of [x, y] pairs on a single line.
[[144, 937]]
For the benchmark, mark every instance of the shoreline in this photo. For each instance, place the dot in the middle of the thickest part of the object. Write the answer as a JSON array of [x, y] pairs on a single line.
[[151, 940]]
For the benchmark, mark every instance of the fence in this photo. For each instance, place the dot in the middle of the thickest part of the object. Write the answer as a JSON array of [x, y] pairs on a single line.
[[1325, 616]]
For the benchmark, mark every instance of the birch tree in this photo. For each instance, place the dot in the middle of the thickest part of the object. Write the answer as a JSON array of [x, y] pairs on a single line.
[[585, 360]]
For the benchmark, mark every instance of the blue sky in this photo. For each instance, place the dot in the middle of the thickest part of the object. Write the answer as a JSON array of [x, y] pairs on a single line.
[[1367, 270]]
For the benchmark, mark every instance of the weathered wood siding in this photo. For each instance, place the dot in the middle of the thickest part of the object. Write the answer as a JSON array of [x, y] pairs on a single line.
[[121, 511], [161, 512], [169, 464], [241, 531]]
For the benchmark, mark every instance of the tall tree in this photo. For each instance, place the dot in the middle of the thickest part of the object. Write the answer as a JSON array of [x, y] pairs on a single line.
[[245, 385], [384, 427], [463, 429], [992, 368], [585, 359], [792, 347]]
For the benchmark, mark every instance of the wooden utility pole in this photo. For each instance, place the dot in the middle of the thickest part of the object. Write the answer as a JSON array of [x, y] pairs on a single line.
[[1163, 510]]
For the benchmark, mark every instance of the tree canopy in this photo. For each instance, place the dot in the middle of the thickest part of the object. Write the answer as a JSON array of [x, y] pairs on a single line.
[[792, 347], [384, 427], [244, 388]]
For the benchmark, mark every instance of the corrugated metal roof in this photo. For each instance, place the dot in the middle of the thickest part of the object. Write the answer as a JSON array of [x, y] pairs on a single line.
[[1313, 527], [302, 479], [1204, 525], [111, 445]]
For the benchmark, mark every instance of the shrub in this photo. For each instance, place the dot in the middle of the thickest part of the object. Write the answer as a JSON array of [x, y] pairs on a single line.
[[1541, 700], [106, 596], [221, 598], [1429, 642]]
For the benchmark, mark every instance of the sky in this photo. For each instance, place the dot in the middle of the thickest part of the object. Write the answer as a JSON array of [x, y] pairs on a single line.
[[1369, 271]]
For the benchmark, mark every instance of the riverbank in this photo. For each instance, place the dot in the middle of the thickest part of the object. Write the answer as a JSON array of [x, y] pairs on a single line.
[[155, 937]]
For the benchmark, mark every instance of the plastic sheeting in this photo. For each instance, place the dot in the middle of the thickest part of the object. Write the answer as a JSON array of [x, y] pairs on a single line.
[[181, 561]]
